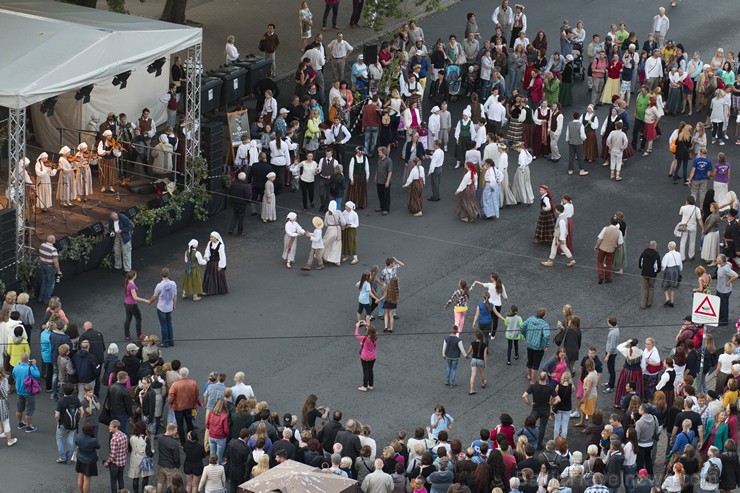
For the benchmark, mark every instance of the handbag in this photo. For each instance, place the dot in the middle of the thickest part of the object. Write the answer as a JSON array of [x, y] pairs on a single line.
[[105, 417], [31, 385], [146, 464], [261, 45]]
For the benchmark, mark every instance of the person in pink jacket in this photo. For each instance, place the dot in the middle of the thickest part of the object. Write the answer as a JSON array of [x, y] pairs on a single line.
[[368, 344]]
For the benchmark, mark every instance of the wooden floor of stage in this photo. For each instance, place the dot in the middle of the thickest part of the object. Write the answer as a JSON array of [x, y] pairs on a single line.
[[68, 221]]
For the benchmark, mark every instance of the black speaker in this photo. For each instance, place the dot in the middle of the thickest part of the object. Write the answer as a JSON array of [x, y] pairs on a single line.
[[8, 245], [131, 212], [62, 243], [92, 230], [157, 202], [370, 52]]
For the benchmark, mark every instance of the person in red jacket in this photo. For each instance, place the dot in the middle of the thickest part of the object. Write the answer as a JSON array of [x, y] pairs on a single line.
[[217, 424]]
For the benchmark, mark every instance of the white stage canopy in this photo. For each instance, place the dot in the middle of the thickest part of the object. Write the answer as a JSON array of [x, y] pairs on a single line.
[[50, 48]]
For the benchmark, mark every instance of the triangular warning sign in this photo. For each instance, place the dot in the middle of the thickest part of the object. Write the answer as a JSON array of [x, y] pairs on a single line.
[[705, 308]]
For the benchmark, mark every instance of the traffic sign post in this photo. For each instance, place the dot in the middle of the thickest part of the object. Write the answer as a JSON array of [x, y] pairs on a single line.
[[705, 309]]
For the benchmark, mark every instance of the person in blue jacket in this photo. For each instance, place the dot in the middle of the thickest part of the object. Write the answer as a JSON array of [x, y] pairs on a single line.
[[121, 230], [26, 400]]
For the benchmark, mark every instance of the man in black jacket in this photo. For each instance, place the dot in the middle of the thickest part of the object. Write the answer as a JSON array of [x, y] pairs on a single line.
[[649, 267], [328, 433], [237, 454], [239, 195], [257, 178], [732, 236], [97, 347], [132, 363], [169, 458], [87, 367], [119, 401], [283, 444], [349, 438]]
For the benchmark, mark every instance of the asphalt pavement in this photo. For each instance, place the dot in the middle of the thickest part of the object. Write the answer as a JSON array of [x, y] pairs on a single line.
[[292, 331]]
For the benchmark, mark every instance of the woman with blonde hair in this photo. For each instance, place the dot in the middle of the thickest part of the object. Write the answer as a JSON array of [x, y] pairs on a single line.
[[230, 51], [590, 393], [683, 144], [564, 391], [262, 466]]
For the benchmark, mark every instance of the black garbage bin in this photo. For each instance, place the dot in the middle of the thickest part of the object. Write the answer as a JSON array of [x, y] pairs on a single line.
[[234, 86], [210, 94], [257, 69]]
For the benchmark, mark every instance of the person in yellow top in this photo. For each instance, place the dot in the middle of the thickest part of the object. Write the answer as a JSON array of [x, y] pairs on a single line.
[[17, 345]]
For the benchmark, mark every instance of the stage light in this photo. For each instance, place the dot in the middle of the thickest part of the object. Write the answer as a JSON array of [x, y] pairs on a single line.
[[84, 94], [121, 79], [47, 107], [156, 67]]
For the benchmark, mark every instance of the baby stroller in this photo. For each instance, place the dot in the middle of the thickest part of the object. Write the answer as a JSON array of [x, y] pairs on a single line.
[[471, 80], [454, 81], [578, 68]]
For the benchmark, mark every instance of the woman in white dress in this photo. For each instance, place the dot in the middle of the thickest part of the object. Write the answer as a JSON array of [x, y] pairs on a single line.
[[292, 231], [83, 180], [710, 232], [334, 222], [522, 186], [505, 196], [691, 219], [66, 192], [268, 200], [44, 172], [305, 20]]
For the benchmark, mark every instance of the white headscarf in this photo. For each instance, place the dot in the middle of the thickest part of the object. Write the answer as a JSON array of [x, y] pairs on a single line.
[[193, 244], [333, 206], [292, 216], [82, 146], [350, 204], [42, 156], [24, 162], [217, 236], [466, 112], [65, 150]]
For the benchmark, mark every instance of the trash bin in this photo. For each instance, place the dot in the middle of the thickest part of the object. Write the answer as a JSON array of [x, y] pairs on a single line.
[[234, 86], [210, 94], [257, 69]]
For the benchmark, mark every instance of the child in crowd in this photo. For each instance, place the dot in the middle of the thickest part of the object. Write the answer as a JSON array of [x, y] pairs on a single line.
[[513, 332]]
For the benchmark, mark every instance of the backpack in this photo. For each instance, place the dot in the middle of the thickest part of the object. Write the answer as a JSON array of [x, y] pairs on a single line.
[[710, 481], [553, 464], [70, 416]]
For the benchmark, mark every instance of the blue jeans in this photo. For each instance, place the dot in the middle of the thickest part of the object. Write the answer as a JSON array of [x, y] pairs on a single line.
[[218, 445], [701, 386], [562, 418], [55, 382], [724, 307], [451, 372], [629, 478], [165, 323], [48, 279], [65, 443], [116, 477], [371, 139]]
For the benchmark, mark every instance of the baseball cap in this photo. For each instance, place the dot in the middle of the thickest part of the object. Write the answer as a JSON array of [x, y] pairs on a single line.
[[642, 472]]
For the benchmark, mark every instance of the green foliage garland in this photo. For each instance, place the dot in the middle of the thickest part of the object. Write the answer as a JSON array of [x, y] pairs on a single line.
[[80, 247], [27, 268]]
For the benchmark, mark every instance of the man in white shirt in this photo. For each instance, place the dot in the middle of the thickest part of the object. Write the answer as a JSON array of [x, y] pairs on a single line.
[[558, 239], [335, 93], [661, 24], [337, 135], [338, 51], [653, 70], [503, 16], [495, 112], [315, 55], [435, 169]]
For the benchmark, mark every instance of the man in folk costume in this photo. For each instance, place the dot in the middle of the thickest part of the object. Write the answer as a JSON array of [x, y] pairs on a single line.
[[349, 233], [559, 239], [616, 142], [504, 16], [463, 136], [540, 135], [506, 195], [92, 135], [529, 131], [556, 128], [66, 192], [126, 137], [337, 136], [575, 136], [148, 130], [83, 180], [44, 172], [519, 25], [359, 175], [108, 155]]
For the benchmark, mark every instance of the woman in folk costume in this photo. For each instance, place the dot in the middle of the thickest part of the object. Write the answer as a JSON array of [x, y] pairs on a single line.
[[83, 180], [415, 183], [44, 173], [540, 141], [506, 196], [606, 128], [290, 241], [467, 209], [214, 277], [192, 279], [522, 186], [268, 213], [334, 222], [463, 137], [66, 185], [546, 221], [591, 125], [21, 175], [359, 175], [349, 233], [413, 148], [491, 190]]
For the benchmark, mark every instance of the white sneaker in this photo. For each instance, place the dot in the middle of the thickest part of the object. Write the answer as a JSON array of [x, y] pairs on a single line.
[[575, 414]]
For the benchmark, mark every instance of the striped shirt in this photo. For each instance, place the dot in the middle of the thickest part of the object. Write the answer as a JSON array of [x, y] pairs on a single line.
[[47, 253]]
